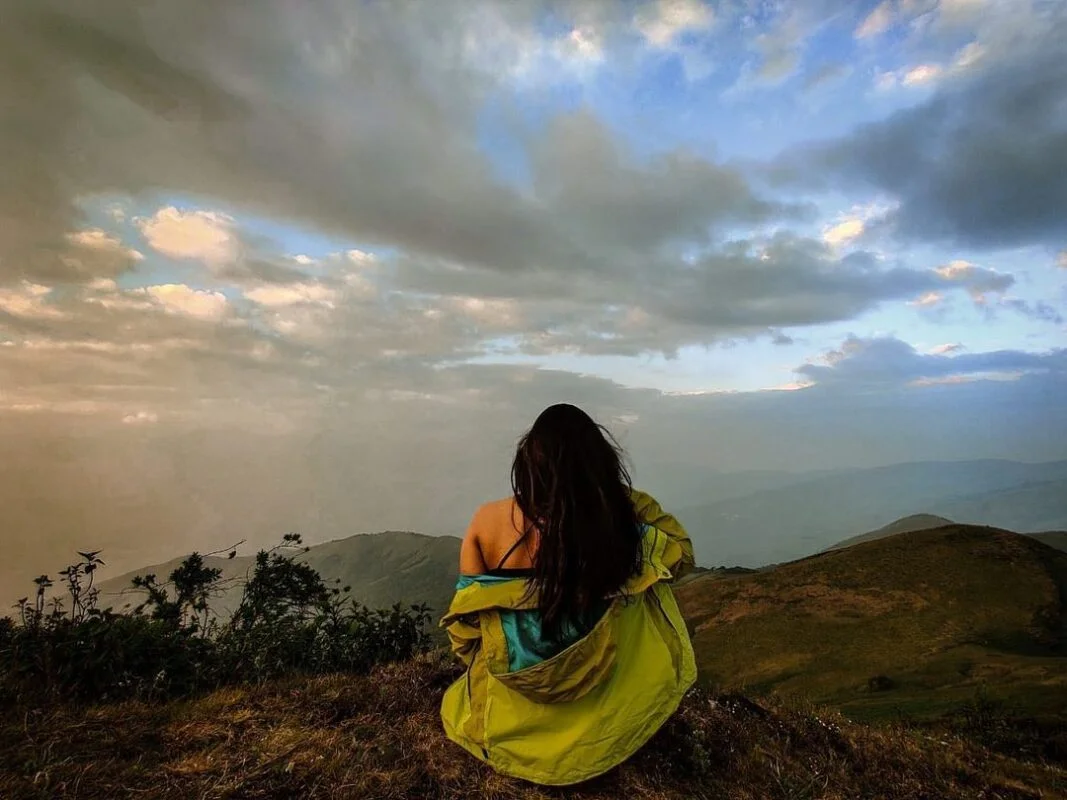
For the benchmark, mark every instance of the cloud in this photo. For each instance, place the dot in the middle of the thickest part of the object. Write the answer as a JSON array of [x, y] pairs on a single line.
[[141, 418], [1039, 311], [663, 21], [861, 362], [28, 301], [928, 300], [968, 56], [1061, 259], [599, 234], [107, 244], [980, 282], [979, 163], [282, 295], [826, 74], [843, 232], [921, 75], [583, 43], [201, 235], [877, 22], [947, 349], [177, 298]]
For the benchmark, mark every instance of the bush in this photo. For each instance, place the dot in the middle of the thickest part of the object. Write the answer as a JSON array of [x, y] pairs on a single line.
[[287, 622]]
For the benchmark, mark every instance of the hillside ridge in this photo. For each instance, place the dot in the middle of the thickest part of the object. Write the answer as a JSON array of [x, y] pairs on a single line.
[[939, 612]]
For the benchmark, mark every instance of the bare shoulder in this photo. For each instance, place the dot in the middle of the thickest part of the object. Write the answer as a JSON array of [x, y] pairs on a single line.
[[494, 509], [491, 518]]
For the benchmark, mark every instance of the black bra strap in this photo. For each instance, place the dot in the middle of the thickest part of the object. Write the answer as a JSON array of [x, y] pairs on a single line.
[[511, 550]]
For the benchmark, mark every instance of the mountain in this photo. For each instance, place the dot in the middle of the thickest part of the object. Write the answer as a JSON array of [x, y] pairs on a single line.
[[381, 569], [923, 522], [927, 616], [677, 485], [1031, 507], [916, 522], [1057, 539], [789, 522]]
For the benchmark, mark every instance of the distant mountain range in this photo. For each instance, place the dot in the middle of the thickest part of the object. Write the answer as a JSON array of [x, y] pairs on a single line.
[[807, 515], [875, 626], [757, 519]]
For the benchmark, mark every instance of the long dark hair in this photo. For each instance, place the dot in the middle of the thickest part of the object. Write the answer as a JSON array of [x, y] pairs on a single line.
[[573, 489]]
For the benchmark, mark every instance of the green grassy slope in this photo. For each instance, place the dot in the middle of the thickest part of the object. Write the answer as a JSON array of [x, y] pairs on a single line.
[[939, 612]]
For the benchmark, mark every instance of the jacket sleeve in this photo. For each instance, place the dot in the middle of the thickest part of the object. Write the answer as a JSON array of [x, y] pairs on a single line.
[[464, 636], [679, 555]]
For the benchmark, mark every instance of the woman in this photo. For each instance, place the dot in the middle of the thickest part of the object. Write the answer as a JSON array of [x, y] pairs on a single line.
[[575, 650]]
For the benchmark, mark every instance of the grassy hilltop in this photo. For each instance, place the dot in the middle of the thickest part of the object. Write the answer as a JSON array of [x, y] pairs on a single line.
[[928, 615]]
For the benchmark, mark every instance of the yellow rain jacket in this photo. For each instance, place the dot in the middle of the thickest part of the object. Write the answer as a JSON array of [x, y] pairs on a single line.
[[588, 708]]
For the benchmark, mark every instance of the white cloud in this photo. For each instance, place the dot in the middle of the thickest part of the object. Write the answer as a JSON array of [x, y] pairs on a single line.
[[284, 295], [946, 349], [663, 21], [501, 46], [102, 285], [844, 231], [206, 236], [911, 77], [884, 81], [877, 22], [980, 282], [28, 301], [177, 298], [1061, 259], [921, 75], [141, 418], [361, 258], [927, 300], [499, 313], [583, 43], [968, 55], [101, 240]]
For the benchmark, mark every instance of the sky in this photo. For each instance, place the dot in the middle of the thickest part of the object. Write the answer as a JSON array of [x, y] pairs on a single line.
[[315, 266]]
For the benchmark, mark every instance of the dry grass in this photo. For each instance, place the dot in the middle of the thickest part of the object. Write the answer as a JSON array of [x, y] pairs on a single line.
[[379, 737]]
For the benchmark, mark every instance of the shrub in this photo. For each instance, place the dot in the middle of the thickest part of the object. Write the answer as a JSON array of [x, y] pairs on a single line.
[[287, 622]]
